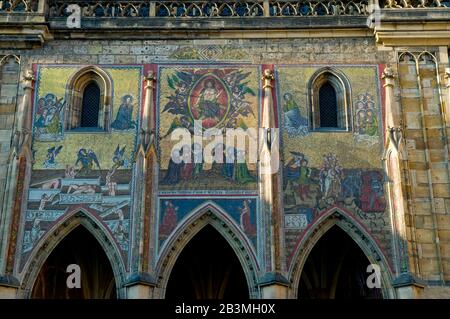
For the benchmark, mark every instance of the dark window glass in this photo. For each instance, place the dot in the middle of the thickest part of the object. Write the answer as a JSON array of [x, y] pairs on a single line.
[[90, 106], [328, 106]]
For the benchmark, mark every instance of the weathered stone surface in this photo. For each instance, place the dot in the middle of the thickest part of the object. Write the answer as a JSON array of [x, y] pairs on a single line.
[[330, 41]]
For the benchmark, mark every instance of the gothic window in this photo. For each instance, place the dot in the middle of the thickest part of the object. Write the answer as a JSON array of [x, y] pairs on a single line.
[[9, 81], [329, 95], [90, 105], [328, 107], [89, 100]]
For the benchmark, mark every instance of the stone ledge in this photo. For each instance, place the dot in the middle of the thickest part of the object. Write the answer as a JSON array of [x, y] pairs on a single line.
[[9, 281], [24, 30], [23, 37], [408, 279], [214, 34], [21, 18], [419, 26], [415, 15], [413, 37], [201, 24], [271, 278], [140, 278]]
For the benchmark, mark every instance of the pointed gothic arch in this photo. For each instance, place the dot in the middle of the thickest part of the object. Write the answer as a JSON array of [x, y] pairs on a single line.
[[207, 214], [9, 56], [338, 89], [46, 245], [10, 69], [83, 79], [145, 178], [406, 57], [10, 64], [336, 217]]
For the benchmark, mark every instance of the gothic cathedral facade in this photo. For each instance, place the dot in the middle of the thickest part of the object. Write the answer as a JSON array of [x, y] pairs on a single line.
[[208, 149]]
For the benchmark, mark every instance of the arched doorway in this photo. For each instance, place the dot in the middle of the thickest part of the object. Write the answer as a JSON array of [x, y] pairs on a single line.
[[78, 247], [336, 269], [207, 268]]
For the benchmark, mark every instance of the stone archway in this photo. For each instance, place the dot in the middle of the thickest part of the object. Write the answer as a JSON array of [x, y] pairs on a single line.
[[79, 248], [207, 268], [207, 215], [54, 237], [346, 223], [336, 269]]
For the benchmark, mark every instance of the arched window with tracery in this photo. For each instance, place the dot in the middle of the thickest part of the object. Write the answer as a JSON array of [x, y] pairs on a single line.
[[330, 101], [89, 100]]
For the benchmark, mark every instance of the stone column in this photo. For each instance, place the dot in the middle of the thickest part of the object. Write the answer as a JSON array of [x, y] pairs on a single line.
[[9, 286], [447, 96], [148, 123], [11, 206], [22, 133], [392, 116], [266, 7], [273, 284], [140, 284]]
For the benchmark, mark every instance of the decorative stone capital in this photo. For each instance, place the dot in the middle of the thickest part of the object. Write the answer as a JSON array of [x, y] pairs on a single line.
[[388, 72], [447, 77], [268, 77], [150, 79], [388, 76], [28, 80]]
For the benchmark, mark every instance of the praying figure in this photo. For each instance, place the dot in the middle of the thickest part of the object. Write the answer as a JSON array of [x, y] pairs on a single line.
[[124, 117]]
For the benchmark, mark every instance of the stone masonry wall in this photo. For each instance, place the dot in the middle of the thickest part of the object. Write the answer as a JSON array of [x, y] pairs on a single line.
[[300, 50], [427, 151], [430, 182], [9, 78]]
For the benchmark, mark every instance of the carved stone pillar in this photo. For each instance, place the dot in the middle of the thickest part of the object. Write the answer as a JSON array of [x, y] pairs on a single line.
[[447, 97], [140, 284], [8, 287], [391, 112], [24, 114], [148, 123], [273, 284], [12, 204]]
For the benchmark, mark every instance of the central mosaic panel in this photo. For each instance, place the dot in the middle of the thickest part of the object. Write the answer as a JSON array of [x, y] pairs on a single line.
[[198, 99]]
